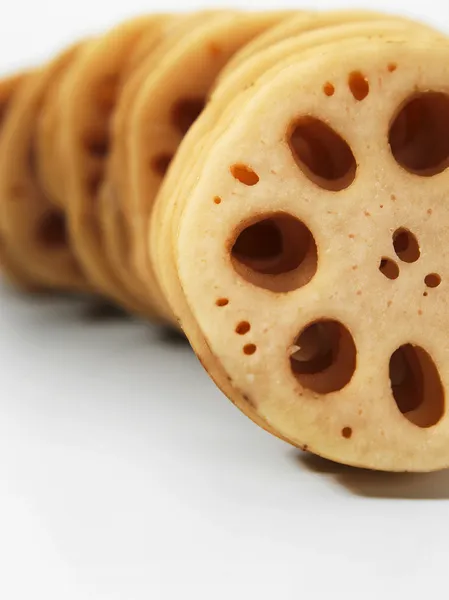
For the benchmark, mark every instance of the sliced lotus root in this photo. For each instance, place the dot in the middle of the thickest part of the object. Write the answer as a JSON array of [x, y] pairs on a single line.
[[308, 35], [34, 230], [114, 195], [164, 110], [301, 23], [286, 278], [88, 100], [13, 272]]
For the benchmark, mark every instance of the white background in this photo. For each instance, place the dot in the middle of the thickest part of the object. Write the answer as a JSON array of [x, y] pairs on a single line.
[[125, 474]]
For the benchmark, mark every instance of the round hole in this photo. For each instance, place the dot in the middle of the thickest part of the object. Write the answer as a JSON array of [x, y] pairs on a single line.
[[217, 200], [277, 252], [249, 349], [392, 67], [185, 112], [244, 174], [161, 163], [359, 85], [346, 432], [222, 302], [52, 231], [322, 154], [419, 134], [243, 327], [329, 89], [416, 385], [432, 280], [97, 145], [389, 268], [406, 245], [324, 357]]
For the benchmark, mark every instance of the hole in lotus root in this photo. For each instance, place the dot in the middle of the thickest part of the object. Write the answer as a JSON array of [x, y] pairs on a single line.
[[52, 231], [329, 89], [243, 327], [222, 302], [358, 84], [185, 112], [432, 280], [416, 385], [419, 134], [97, 144], [322, 154], [161, 163], [244, 174], [323, 357], [389, 268], [406, 245], [277, 252], [346, 432], [249, 349]]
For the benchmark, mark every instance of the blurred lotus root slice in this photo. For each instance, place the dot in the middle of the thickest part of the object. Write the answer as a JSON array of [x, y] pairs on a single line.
[[312, 252], [12, 271], [34, 229]]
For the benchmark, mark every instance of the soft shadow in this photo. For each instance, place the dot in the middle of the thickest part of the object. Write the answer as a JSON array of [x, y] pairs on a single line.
[[377, 484], [170, 336], [103, 311]]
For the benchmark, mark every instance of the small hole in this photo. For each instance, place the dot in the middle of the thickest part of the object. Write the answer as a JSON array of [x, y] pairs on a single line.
[[217, 200], [419, 134], [52, 231], [389, 268], [406, 245], [322, 154], [222, 302], [249, 349], [416, 385], [346, 432], [185, 112], [392, 67], [358, 84], [243, 327], [244, 174], [432, 280], [161, 163], [277, 253], [97, 145], [425, 294], [328, 89], [324, 357]]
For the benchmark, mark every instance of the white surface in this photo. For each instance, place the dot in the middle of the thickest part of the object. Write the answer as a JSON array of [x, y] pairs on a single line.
[[125, 474]]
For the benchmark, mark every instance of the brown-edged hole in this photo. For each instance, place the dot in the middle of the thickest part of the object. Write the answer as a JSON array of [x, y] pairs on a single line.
[[97, 145], [389, 268], [52, 230], [419, 134], [324, 357], [243, 327], [222, 302], [329, 89], [359, 85], [244, 174], [185, 112], [346, 432], [160, 164], [277, 252], [249, 349], [322, 154], [416, 385], [406, 245], [432, 280]]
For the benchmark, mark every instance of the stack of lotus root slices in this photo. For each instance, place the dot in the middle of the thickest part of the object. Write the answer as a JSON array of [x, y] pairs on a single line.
[[274, 184]]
